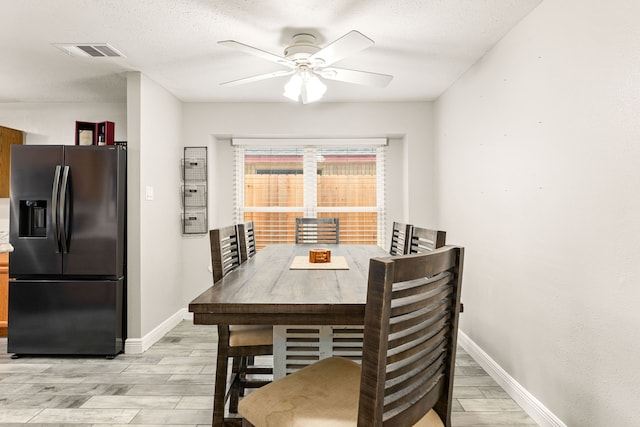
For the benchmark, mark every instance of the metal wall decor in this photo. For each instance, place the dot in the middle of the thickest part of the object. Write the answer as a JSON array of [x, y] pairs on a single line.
[[194, 190]]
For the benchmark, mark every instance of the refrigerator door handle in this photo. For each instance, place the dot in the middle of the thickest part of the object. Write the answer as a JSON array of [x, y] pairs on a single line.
[[62, 209], [54, 207]]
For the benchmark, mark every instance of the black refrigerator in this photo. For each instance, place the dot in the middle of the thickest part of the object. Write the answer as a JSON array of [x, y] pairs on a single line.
[[68, 229]]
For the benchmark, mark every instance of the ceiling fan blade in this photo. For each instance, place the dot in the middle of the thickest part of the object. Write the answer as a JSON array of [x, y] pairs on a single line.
[[352, 42], [257, 78], [257, 52], [354, 76]]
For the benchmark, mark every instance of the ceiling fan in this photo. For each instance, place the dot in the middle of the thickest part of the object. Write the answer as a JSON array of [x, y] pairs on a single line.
[[307, 63]]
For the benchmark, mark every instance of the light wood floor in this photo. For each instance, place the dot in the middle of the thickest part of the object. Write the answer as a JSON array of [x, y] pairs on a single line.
[[171, 384]]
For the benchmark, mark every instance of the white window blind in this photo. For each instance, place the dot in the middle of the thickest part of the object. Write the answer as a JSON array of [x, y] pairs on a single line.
[[275, 185]]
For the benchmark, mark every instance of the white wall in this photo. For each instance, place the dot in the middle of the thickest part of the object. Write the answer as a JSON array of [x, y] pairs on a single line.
[[538, 166], [155, 253], [410, 124]]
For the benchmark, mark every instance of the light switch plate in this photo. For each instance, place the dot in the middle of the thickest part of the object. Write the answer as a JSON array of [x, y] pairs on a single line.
[[148, 193]]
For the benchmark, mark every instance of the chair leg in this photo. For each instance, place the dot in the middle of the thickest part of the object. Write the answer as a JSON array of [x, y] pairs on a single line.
[[236, 389], [220, 388], [244, 366]]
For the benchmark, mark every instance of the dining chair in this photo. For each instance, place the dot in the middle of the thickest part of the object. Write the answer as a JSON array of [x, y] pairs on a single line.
[[239, 342], [317, 230], [247, 240], [400, 237], [424, 240], [408, 359], [247, 244]]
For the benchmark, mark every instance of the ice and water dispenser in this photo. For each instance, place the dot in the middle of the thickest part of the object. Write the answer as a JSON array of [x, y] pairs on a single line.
[[33, 218]]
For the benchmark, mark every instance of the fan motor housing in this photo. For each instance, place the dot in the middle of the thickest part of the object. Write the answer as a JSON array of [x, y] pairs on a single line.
[[302, 48]]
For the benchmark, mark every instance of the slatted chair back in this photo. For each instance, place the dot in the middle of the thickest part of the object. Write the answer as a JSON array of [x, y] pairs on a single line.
[[425, 240], [411, 324], [247, 239], [225, 251], [241, 343], [317, 230], [400, 237]]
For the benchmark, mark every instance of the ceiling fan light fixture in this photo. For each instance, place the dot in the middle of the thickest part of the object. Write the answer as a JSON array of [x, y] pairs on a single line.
[[293, 88], [314, 89], [309, 64], [304, 86]]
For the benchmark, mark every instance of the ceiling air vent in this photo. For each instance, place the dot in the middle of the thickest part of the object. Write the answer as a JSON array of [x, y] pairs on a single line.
[[92, 50]]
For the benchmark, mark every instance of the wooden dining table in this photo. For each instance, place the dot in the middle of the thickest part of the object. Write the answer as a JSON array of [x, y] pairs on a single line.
[[266, 290]]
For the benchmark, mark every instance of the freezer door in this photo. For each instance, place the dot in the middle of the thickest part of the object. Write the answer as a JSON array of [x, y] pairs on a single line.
[[32, 215], [72, 317], [93, 199]]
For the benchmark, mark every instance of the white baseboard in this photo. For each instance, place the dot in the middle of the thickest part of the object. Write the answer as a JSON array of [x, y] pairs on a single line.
[[532, 406], [140, 345]]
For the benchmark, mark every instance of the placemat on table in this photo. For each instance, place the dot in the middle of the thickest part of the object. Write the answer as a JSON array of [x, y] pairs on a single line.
[[302, 263]]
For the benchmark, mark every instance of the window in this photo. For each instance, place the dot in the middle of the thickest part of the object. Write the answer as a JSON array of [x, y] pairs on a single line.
[[278, 184]]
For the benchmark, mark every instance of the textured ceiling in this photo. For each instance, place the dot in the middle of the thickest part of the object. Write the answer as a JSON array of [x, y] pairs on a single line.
[[425, 44]]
